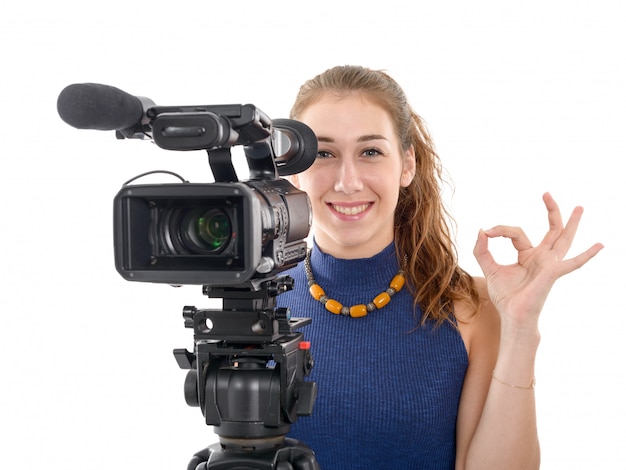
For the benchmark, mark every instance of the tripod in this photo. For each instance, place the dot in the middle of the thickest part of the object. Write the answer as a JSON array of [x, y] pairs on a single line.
[[246, 374]]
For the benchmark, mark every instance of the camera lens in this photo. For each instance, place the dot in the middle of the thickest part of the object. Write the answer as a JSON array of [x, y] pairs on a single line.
[[207, 230]]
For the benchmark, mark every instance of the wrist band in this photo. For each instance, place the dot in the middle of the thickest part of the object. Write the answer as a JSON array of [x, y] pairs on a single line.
[[530, 387]]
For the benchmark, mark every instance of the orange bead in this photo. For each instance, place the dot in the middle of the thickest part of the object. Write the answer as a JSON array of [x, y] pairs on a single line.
[[397, 282], [333, 306], [357, 311], [381, 300], [316, 291]]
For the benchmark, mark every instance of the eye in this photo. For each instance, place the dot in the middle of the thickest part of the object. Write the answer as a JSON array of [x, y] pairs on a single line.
[[324, 154], [371, 152]]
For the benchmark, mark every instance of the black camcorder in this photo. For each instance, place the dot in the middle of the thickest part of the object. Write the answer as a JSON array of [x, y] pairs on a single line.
[[225, 233]]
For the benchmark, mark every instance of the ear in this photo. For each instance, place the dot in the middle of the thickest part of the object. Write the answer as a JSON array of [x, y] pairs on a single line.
[[293, 179], [408, 168]]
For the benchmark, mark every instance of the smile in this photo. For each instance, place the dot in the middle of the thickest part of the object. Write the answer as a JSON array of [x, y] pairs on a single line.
[[354, 210]]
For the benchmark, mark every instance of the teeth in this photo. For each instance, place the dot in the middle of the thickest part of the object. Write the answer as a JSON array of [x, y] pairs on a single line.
[[350, 210]]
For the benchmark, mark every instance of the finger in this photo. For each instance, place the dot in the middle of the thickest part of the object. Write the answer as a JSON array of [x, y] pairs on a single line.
[[555, 221], [482, 253], [565, 240], [517, 236], [574, 263]]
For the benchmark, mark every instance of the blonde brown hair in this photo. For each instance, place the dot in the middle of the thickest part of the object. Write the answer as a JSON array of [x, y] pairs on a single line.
[[421, 229]]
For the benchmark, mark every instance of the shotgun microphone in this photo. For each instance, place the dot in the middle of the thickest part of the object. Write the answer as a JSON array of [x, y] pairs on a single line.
[[100, 107]]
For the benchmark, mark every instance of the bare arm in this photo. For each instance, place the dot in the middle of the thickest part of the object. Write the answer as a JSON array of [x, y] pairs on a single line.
[[497, 418]]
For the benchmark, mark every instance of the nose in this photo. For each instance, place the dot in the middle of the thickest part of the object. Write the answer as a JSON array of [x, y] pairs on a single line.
[[348, 178]]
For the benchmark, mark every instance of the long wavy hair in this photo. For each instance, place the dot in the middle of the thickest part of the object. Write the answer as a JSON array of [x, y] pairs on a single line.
[[421, 223]]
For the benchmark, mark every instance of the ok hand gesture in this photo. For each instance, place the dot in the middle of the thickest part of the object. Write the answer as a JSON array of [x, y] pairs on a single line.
[[518, 291]]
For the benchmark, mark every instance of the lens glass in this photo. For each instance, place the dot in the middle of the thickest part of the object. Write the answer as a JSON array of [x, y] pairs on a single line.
[[207, 230]]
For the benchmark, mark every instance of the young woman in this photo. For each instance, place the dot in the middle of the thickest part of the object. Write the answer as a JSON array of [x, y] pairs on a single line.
[[418, 364]]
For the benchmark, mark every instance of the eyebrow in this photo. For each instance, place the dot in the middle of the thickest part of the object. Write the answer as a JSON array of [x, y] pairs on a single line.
[[363, 138]]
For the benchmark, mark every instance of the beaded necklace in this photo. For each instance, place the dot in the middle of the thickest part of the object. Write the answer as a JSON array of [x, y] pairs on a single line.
[[355, 311]]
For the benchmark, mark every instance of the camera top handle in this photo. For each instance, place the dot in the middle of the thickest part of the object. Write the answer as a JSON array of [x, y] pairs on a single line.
[[272, 148]]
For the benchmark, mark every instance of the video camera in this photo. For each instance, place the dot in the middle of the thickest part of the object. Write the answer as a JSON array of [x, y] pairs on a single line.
[[247, 371]]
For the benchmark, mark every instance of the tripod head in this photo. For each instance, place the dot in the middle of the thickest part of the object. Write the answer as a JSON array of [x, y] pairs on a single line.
[[247, 374], [249, 364]]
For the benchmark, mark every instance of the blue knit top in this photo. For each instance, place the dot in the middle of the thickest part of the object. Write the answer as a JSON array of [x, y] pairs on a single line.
[[388, 393]]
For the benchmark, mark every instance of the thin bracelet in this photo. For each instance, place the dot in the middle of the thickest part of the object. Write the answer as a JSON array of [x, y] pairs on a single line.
[[531, 387]]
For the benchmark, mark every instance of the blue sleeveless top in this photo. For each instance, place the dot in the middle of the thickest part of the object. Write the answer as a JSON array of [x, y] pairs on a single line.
[[388, 390]]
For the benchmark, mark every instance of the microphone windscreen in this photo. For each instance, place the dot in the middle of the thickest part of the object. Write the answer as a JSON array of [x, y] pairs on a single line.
[[100, 107]]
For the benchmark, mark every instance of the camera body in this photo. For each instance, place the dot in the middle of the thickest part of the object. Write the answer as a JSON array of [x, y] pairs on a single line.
[[215, 233]]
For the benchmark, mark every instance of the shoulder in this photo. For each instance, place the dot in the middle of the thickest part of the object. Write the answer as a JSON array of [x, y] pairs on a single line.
[[480, 330]]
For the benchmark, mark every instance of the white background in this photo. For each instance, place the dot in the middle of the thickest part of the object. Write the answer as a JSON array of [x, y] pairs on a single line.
[[521, 98]]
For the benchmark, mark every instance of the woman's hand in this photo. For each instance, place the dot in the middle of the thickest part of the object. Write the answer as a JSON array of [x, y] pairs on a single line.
[[518, 291]]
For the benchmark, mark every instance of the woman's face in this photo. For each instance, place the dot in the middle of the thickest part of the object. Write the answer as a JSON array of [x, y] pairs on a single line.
[[355, 181]]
